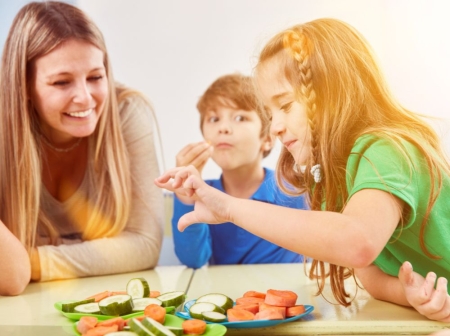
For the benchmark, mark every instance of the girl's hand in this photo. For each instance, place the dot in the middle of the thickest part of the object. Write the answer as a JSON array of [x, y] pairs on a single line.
[[211, 205], [421, 294]]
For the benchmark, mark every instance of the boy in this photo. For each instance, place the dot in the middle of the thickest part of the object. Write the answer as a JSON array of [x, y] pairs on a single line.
[[237, 139]]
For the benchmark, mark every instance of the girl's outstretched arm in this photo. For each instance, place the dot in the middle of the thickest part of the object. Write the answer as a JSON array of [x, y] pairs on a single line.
[[15, 269], [353, 238]]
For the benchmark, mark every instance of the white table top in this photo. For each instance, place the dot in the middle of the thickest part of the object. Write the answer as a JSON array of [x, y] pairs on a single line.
[[366, 316], [33, 313]]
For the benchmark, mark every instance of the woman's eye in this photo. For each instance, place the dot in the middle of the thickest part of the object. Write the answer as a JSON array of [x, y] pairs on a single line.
[[60, 83], [95, 78]]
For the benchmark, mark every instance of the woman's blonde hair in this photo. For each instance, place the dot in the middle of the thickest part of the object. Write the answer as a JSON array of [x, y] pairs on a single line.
[[37, 29], [334, 73]]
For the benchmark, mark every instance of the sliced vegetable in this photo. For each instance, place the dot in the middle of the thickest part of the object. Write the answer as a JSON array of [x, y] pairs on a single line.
[[172, 298], [116, 305], [249, 299], [219, 300], [122, 333], [282, 310], [254, 294], [140, 304], [194, 327], [155, 312], [88, 308], [198, 308], [70, 306], [137, 327], [251, 307], [138, 288], [100, 331], [212, 316], [118, 321], [178, 331], [99, 296], [295, 310], [269, 314], [86, 323], [236, 315], [283, 298], [157, 328], [154, 294]]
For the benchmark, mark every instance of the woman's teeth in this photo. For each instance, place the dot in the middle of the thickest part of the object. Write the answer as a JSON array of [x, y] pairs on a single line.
[[80, 114]]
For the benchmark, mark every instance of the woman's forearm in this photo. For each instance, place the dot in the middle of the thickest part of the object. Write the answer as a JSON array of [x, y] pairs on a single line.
[[15, 268]]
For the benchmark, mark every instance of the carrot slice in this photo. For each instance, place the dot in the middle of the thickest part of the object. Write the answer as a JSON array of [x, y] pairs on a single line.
[[251, 307], [99, 296], [154, 294], [101, 331], [254, 294], [269, 314], [295, 310], [264, 306], [235, 315], [282, 298], [118, 321], [86, 323], [194, 327], [249, 299], [156, 312], [118, 293]]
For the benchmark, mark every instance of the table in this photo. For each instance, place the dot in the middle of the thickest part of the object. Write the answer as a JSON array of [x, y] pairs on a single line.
[[366, 316], [32, 313]]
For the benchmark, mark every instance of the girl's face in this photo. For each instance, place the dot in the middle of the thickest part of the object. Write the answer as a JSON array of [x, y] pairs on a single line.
[[289, 119], [68, 89]]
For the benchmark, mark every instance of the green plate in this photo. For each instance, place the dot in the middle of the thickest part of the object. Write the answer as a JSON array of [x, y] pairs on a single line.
[[77, 316], [174, 321]]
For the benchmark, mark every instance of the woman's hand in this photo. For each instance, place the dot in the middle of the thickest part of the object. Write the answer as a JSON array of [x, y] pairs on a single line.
[[211, 205], [434, 303]]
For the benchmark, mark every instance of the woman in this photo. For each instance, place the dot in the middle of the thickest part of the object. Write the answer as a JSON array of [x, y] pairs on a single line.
[[77, 156]]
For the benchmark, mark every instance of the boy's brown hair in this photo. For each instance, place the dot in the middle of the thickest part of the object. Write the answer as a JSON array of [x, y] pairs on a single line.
[[234, 91]]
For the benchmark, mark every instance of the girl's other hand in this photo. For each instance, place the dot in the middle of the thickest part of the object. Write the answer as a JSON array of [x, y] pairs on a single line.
[[211, 205], [434, 303]]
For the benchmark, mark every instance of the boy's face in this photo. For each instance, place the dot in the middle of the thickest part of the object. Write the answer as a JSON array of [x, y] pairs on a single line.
[[235, 136]]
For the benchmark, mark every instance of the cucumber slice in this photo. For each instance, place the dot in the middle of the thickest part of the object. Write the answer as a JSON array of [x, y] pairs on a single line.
[[172, 299], [88, 308], [197, 309], [70, 306], [220, 300], [155, 327], [137, 327], [140, 304], [138, 288], [212, 316], [178, 331], [116, 305]]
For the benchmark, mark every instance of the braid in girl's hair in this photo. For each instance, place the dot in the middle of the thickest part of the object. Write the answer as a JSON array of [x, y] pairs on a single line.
[[301, 49]]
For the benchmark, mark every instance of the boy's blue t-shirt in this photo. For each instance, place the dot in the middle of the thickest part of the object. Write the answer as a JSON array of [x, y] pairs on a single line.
[[227, 243]]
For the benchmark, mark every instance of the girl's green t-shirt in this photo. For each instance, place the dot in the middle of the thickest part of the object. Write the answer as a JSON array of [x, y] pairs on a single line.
[[376, 163]]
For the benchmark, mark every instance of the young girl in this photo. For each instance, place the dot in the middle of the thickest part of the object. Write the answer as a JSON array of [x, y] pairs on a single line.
[[376, 176], [77, 156]]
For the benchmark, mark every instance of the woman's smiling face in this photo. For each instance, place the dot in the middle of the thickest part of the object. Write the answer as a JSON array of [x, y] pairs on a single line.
[[68, 90], [289, 120]]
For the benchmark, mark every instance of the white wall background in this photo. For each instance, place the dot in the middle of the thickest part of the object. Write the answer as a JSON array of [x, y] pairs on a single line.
[[172, 50]]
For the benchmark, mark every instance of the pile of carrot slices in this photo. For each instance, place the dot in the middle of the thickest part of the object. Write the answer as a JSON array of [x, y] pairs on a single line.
[[272, 305]]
